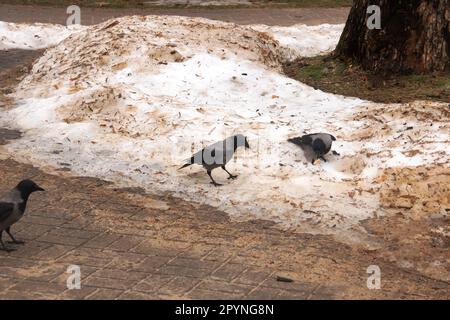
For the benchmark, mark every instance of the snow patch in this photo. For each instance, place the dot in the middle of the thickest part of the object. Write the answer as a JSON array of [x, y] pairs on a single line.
[[130, 99], [33, 36]]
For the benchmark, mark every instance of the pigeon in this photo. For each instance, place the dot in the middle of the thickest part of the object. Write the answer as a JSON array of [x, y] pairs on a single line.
[[315, 145], [217, 155], [12, 208]]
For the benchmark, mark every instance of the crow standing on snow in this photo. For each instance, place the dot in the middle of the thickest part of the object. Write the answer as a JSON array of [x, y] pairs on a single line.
[[318, 144], [218, 154], [12, 208]]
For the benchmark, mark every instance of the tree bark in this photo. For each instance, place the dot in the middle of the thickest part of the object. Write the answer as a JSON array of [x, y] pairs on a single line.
[[414, 36]]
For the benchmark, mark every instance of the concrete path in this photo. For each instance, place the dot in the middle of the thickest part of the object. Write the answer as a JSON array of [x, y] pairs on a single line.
[[130, 245], [269, 16]]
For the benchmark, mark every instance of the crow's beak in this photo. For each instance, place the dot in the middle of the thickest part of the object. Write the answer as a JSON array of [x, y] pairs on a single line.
[[246, 144], [39, 189]]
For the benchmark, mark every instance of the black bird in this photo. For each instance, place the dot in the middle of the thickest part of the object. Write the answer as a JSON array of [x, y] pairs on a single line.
[[218, 154], [12, 208], [319, 144]]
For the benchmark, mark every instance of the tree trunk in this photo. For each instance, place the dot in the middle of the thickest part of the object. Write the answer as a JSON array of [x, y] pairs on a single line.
[[414, 36]]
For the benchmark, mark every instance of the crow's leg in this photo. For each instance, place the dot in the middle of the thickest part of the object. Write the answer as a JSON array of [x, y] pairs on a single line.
[[230, 175], [212, 179], [4, 248], [13, 239]]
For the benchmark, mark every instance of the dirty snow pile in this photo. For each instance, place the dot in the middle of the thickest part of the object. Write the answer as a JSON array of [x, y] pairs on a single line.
[[130, 99], [305, 41], [35, 36]]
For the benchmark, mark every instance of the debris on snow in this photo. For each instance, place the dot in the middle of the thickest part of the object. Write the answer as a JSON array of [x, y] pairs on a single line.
[[129, 99], [33, 36]]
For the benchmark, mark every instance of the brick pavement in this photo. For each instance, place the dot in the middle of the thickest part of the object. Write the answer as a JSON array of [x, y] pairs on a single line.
[[131, 245]]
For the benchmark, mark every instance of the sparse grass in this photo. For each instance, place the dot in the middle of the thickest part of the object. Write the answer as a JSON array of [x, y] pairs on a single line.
[[339, 77], [144, 3]]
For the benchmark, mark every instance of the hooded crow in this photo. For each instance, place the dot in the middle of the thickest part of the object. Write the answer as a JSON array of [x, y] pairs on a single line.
[[317, 144], [12, 208], [218, 154]]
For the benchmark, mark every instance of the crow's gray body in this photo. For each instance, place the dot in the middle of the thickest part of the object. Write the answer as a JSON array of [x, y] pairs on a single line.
[[218, 155], [315, 145], [12, 208]]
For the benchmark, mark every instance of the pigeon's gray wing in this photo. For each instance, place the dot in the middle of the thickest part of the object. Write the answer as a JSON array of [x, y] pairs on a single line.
[[6, 210]]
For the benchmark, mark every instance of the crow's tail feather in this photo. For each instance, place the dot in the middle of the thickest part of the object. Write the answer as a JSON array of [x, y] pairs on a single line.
[[190, 162], [298, 141]]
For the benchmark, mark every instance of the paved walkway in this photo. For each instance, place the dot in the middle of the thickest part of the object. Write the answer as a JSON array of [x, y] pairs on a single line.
[[131, 245], [272, 16]]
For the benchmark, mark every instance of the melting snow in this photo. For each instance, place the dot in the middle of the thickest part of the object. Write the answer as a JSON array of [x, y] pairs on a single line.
[[32, 37], [129, 100]]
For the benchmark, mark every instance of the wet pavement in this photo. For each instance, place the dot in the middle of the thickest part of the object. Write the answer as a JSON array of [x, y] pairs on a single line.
[[269, 16]]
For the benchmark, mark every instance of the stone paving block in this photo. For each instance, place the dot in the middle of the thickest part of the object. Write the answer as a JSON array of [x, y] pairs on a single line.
[[228, 272], [161, 247], [194, 263], [198, 251], [136, 295], [45, 271], [183, 271], [152, 263], [264, 294], [54, 251], [46, 221], [179, 286], [9, 261], [78, 294], [152, 283], [119, 274], [198, 294], [126, 261], [109, 283], [253, 276], [82, 222], [105, 294], [220, 254], [19, 272], [291, 286], [30, 231], [38, 287], [326, 293], [26, 295], [102, 241], [214, 285], [83, 260], [60, 239], [125, 243], [30, 250], [76, 233], [6, 283]]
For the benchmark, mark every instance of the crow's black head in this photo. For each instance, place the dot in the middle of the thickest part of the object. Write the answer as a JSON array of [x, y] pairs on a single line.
[[27, 187]]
